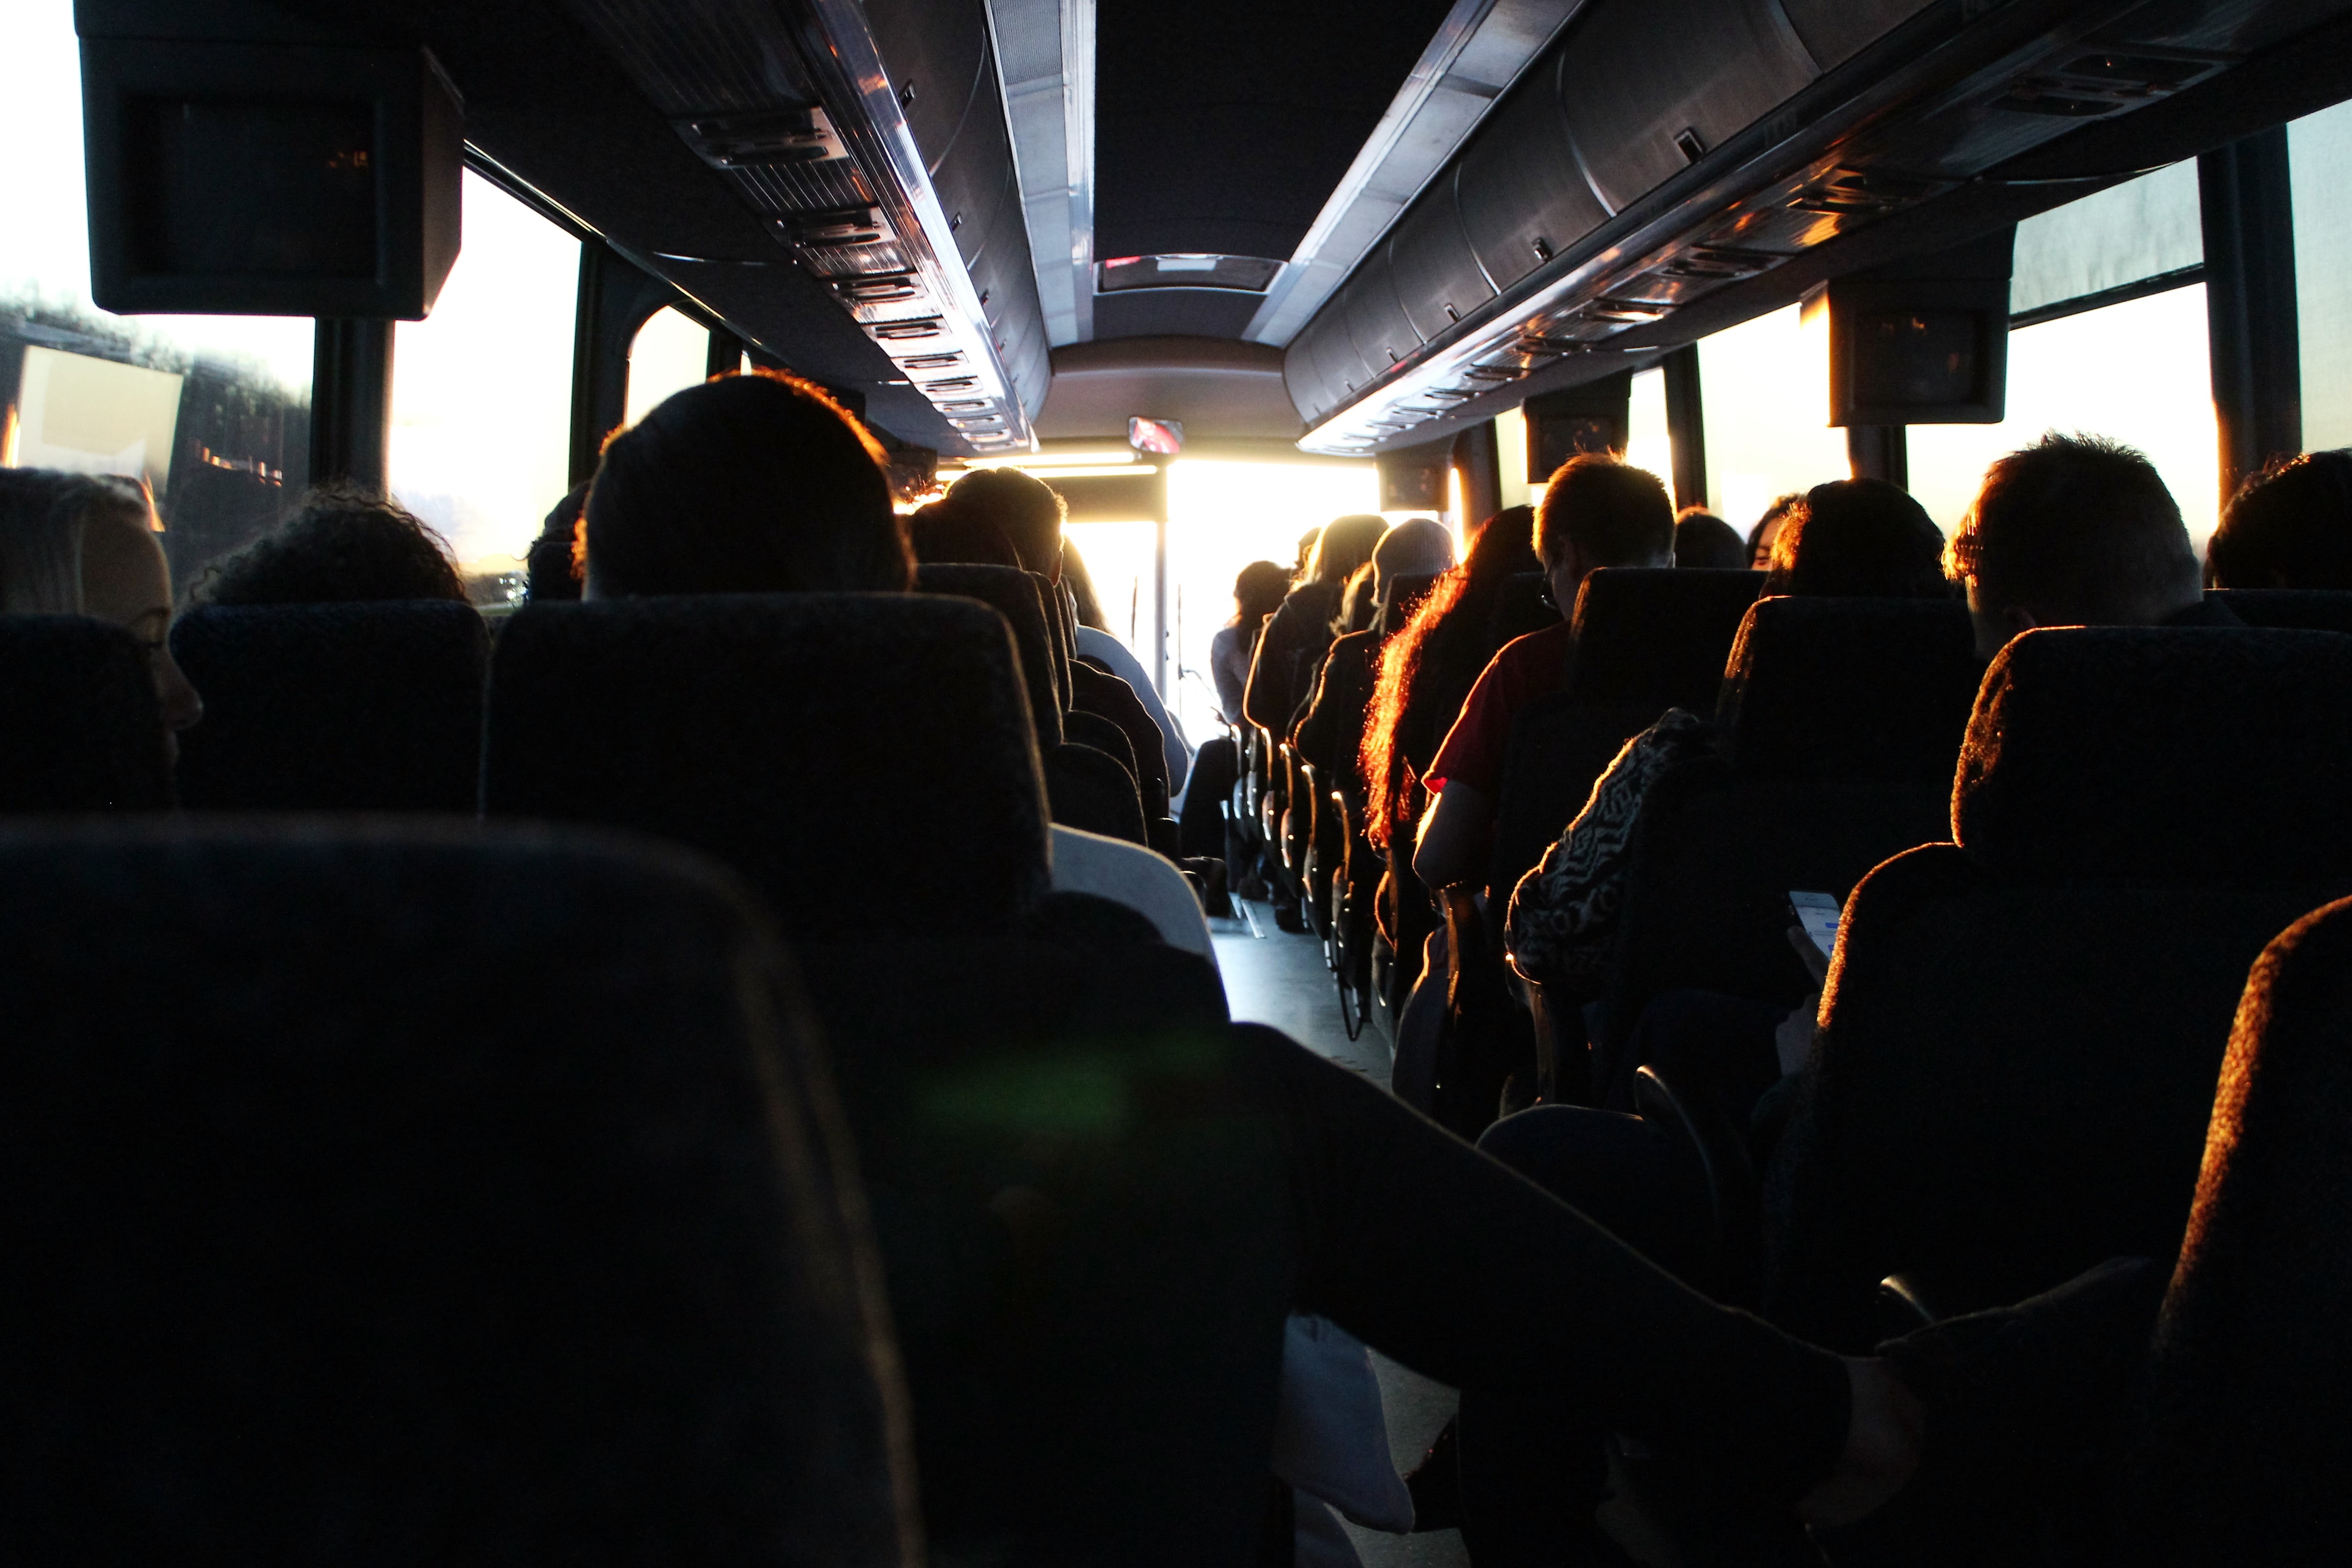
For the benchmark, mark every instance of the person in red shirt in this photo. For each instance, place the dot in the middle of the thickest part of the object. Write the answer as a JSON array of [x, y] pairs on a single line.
[[1596, 512]]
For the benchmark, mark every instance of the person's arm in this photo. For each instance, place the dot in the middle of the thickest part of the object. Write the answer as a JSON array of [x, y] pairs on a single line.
[[1456, 837]]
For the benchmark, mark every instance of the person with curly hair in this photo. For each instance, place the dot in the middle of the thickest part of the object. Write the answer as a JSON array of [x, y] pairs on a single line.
[[344, 544]]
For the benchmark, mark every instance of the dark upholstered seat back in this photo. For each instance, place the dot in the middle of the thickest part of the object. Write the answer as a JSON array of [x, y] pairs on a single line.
[[80, 729], [2244, 1448], [866, 760], [333, 708], [1658, 636], [2307, 609], [2181, 756], [1849, 688], [1519, 607], [1404, 593], [431, 1195], [1841, 719], [1011, 593], [2022, 1033]]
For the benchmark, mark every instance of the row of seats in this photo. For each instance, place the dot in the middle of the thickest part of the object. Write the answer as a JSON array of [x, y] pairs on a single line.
[[868, 765], [368, 1228], [379, 706]]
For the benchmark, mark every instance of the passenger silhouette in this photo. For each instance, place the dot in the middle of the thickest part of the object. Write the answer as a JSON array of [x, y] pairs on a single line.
[[75, 544], [1852, 538], [1299, 633], [1597, 512], [1704, 540], [2076, 531], [2290, 526], [1760, 537], [342, 544]]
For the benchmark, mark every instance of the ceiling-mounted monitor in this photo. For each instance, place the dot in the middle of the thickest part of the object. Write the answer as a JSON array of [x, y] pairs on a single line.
[[270, 179]]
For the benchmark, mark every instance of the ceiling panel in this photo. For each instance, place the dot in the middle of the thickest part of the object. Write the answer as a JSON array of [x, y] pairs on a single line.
[[1222, 125]]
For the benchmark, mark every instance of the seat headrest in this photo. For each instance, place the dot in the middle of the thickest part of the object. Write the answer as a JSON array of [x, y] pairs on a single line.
[[334, 708], [2218, 755], [2305, 609], [866, 760], [1405, 592], [1849, 688], [1013, 595], [484, 1185], [1656, 635], [1519, 607], [80, 728]]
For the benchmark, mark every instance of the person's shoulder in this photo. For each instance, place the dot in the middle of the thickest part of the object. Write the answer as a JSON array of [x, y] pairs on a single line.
[[1542, 654]]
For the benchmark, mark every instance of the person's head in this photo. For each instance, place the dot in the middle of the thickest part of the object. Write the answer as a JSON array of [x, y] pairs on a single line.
[[75, 544], [1599, 512], [1257, 593], [1345, 544], [1305, 555], [2074, 530], [1703, 539], [1858, 538], [1767, 529], [1416, 547], [342, 544], [748, 484], [2290, 526], [945, 533], [1028, 511]]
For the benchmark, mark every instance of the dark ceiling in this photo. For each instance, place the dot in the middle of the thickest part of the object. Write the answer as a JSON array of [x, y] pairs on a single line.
[[1222, 125]]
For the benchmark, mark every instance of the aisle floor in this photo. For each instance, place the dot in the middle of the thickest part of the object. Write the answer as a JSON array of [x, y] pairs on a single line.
[[1274, 977]]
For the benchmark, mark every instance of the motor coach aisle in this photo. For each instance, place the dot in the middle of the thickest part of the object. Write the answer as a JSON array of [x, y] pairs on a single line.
[[1275, 977]]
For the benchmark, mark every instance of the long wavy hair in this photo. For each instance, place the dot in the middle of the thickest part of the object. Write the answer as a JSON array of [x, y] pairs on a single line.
[[1428, 668]]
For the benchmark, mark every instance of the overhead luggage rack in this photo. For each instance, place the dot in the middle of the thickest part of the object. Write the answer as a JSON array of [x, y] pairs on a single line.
[[889, 179]]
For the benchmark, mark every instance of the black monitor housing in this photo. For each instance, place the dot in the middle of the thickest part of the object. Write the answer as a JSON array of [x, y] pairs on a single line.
[[270, 179]]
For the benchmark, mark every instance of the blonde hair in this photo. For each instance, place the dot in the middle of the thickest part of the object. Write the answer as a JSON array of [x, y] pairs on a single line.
[[44, 515]]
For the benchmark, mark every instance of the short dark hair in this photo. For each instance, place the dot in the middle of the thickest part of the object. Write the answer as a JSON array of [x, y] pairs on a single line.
[[2079, 529], [757, 483], [1858, 538], [1027, 510], [1615, 514], [341, 545], [2290, 526], [1703, 540], [943, 532]]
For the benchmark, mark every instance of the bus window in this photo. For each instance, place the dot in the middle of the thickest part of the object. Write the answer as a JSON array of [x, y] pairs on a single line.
[[2109, 338], [1221, 516], [1765, 387], [213, 412], [1647, 444], [2319, 159], [670, 353], [481, 391], [2137, 373]]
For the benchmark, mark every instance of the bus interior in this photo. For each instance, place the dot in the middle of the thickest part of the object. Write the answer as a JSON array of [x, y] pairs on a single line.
[[1534, 783]]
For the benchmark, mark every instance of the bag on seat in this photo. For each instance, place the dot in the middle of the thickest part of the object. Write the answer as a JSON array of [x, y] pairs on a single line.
[[79, 728], [867, 760], [363, 707], [2022, 1031], [426, 1195]]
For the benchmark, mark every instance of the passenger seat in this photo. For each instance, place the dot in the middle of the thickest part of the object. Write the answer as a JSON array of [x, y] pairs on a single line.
[[867, 760], [334, 708], [428, 1195], [80, 728], [2022, 1031]]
